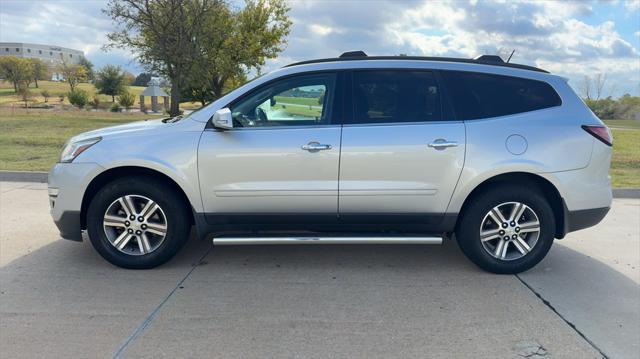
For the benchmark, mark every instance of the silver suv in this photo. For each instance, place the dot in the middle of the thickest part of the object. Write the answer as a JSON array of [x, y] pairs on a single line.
[[502, 157]]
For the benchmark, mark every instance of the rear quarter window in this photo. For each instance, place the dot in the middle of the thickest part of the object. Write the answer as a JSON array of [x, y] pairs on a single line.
[[479, 95]]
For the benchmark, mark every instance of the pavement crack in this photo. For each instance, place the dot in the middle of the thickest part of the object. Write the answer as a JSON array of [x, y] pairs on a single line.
[[149, 319], [569, 323]]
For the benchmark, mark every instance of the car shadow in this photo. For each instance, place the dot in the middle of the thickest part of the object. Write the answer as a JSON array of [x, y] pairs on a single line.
[[71, 279]]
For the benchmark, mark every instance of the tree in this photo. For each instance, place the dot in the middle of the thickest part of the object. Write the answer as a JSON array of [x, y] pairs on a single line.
[[25, 95], [88, 66], [237, 42], [46, 95], [40, 70], [142, 79], [129, 78], [110, 80], [78, 97], [593, 86], [72, 73], [126, 99], [16, 70], [164, 35]]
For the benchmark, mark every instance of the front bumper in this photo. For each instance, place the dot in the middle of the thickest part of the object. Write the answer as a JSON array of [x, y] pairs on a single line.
[[67, 185]]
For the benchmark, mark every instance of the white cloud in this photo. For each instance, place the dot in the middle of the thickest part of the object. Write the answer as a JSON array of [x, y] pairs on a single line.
[[561, 36], [632, 5]]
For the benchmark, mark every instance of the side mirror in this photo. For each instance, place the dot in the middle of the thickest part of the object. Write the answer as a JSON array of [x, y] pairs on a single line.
[[222, 119], [272, 101]]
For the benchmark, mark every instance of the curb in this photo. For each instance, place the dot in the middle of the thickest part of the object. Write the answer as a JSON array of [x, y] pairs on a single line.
[[41, 177], [23, 176]]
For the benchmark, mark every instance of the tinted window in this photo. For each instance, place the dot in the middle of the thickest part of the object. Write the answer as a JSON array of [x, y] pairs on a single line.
[[476, 95], [294, 101], [395, 96]]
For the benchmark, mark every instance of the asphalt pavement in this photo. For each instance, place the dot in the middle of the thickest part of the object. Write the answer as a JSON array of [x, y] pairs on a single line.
[[61, 299]]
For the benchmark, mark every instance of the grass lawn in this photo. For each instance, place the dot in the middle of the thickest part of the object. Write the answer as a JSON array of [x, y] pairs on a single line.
[[32, 141], [55, 89]]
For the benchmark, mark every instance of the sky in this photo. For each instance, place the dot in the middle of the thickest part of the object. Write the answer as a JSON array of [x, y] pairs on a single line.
[[568, 38]]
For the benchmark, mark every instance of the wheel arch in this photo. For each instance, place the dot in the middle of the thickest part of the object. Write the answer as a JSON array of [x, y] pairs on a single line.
[[127, 171], [548, 190]]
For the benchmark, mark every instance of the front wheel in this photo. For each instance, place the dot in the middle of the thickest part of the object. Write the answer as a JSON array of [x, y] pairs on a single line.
[[506, 230], [137, 222]]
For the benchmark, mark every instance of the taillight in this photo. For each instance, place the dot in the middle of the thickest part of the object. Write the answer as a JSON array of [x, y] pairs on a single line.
[[600, 132]]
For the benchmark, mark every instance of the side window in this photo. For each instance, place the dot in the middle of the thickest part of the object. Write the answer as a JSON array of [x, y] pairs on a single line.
[[477, 95], [295, 101], [395, 96]]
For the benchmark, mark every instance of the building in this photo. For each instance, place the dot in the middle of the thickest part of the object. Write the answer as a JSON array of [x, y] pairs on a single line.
[[49, 54]]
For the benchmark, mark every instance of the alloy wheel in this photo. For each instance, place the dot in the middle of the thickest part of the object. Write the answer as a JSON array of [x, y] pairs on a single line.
[[135, 225], [509, 231]]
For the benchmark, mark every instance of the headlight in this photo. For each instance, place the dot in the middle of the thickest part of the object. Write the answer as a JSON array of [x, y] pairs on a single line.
[[72, 149]]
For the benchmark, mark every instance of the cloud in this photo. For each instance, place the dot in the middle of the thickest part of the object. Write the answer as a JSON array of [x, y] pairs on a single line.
[[632, 5], [552, 35], [569, 38]]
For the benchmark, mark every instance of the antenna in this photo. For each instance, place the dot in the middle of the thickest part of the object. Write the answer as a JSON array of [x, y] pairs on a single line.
[[512, 52]]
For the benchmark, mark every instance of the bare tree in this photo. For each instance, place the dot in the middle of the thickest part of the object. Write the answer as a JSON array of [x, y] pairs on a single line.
[[593, 86]]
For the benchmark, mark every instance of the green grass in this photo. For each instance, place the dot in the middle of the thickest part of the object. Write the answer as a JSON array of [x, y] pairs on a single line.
[[31, 141], [625, 164], [8, 97], [282, 101], [623, 123]]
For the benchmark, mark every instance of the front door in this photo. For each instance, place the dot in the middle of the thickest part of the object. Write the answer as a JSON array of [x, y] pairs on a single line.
[[282, 155], [400, 155]]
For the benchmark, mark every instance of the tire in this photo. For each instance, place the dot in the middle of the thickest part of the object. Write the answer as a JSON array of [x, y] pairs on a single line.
[[141, 242], [513, 257]]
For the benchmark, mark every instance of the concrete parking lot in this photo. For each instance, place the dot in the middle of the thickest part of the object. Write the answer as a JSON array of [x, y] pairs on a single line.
[[60, 299]]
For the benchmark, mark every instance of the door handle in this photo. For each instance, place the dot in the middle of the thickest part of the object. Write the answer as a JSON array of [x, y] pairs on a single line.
[[441, 144], [315, 147]]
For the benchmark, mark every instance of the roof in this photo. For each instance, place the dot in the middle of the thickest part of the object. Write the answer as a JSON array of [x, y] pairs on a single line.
[[491, 60], [153, 91]]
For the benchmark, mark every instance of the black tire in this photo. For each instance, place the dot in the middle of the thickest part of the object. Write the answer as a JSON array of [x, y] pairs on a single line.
[[175, 210], [468, 230]]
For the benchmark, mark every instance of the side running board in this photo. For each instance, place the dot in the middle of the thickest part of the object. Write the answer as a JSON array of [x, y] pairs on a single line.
[[233, 240]]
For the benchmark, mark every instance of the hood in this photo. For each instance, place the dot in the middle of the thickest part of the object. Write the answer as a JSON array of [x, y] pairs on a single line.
[[129, 128]]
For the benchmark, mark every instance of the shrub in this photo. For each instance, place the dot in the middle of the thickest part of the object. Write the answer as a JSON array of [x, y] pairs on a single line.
[[46, 95], [78, 97], [115, 108], [126, 100], [25, 95], [95, 103]]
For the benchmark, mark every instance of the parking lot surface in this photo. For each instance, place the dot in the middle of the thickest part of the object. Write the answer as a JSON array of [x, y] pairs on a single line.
[[60, 299]]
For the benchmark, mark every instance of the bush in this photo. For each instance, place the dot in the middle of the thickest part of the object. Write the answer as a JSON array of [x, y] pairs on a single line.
[[25, 95], [78, 97], [126, 99], [46, 95], [115, 108], [95, 103]]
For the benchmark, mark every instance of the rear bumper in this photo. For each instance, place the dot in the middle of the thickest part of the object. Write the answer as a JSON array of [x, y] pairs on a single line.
[[583, 218]]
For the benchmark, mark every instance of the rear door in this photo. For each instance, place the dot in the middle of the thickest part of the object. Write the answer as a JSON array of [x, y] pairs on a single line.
[[282, 155], [402, 152]]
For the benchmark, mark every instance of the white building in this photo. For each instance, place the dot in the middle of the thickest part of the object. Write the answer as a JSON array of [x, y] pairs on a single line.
[[49, 54]]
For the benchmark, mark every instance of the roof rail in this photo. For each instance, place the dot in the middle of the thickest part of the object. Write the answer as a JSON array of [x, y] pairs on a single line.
[[492, 60], [358, 53]]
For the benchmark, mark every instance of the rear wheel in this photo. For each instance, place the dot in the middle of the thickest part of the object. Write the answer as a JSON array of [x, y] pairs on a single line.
[[137, 222], [507, 230]]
